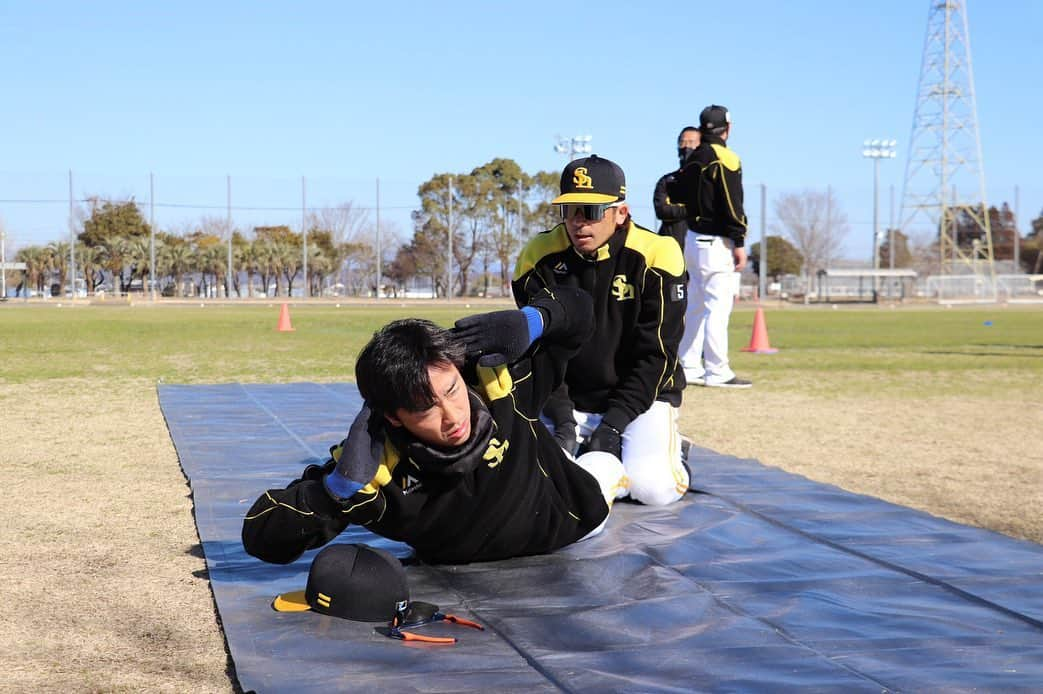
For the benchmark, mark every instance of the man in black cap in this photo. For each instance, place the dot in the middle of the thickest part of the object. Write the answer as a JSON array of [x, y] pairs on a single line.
[[672, 213], [709, 184], [448, 454], [624, 386]]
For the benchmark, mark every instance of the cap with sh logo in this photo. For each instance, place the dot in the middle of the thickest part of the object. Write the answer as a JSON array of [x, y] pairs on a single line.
[[591, 180]]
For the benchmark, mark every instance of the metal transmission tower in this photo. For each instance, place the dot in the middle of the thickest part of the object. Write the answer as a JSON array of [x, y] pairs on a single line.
[[944, 190]]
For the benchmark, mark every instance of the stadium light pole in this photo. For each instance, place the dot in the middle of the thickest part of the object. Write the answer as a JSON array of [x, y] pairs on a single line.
[[571, 146], [877, 150]]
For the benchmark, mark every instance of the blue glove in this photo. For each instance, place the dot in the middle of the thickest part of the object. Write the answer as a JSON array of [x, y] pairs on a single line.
[[499, 337], [359, 457]]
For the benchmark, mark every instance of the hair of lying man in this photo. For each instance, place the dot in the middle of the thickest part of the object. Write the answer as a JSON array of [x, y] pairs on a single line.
[[391, 370]]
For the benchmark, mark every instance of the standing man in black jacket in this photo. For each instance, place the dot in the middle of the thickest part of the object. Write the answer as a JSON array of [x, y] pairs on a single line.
[[672, 213], [710, 186], [448, 454], [624, 386]]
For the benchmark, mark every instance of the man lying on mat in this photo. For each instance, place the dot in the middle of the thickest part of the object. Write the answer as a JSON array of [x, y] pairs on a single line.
[[448, 454]]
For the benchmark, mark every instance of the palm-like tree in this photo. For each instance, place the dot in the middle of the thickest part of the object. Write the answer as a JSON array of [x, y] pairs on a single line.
[[36, 259], [92, 262], [288, 259], [58, 261], [212, 260], [139, 259], [320, 265], [177, 260], [267, 265], [115, 253]]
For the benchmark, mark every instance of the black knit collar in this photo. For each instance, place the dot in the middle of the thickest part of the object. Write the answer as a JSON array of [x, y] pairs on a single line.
[[448, 461]]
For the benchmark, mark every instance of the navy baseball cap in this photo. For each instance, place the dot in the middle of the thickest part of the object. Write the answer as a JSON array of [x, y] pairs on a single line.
[[592, 180], [355, 582]]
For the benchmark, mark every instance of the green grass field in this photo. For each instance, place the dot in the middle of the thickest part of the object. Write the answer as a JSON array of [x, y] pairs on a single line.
[[222, 343]]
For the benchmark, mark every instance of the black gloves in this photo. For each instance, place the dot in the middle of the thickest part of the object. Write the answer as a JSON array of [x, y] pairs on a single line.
[[499, 337], [605, 438], [565, 435], [359, 457]]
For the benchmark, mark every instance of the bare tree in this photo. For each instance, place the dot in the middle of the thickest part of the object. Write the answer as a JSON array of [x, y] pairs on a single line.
[[352, 233], [346, 222], [815, 224]]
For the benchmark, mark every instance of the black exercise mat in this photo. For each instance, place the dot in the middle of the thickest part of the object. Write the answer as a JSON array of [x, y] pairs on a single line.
[[760, 581]]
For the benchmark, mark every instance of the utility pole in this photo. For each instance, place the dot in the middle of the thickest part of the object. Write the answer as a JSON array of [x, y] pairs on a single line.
[[891, 231], [304, 237], [228, 225], [380, 271], [1017, 234], [151, 235], [3, 264], [449, 259], [763, 274], [72, 242]]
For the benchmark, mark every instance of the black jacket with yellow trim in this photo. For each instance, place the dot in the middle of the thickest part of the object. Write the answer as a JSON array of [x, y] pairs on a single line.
[[516, 496], [637, 282], [710, 186], [672, 214]]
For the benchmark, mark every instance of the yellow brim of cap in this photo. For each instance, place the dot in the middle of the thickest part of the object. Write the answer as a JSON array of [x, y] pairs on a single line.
[[583, 198], [291, 602]]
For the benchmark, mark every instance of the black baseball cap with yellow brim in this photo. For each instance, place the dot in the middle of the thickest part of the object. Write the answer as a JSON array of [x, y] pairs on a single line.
[[591, 180], [354, 582]]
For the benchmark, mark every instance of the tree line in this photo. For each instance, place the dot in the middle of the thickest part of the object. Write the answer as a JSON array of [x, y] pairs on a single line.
[[491, 211], [811, 226], [482, 217]]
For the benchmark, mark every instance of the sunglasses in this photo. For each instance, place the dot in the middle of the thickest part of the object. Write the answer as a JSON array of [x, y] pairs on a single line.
[[592, 212]]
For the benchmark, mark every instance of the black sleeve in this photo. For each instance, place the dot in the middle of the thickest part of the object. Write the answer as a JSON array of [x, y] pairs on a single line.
[[559, 407], [734, 217], [668, 208], [283, 523]]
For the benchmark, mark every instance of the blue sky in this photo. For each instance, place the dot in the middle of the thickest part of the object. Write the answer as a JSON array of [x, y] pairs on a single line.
[[343, 93]]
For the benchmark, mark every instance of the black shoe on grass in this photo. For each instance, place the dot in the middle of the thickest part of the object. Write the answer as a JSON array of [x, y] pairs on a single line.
[[735, 382]]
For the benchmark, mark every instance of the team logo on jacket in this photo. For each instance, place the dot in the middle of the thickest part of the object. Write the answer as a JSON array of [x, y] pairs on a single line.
[[621, 289], [582, 179], [410, 484], [495, 452], [561, 268]]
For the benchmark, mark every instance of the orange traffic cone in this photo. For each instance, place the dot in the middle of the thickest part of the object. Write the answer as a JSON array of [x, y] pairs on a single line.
[[759, 340], [284, 320]]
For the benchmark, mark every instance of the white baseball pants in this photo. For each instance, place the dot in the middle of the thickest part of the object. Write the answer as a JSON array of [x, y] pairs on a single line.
[[712, 286], [651, 454]]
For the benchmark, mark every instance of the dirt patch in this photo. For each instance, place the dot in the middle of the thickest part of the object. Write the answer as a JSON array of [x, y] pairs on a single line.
[[102, 547], [962, 457]]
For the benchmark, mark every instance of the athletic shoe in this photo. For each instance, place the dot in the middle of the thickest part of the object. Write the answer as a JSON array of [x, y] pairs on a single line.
[[693, 380], [735, 382], [686, 447]]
